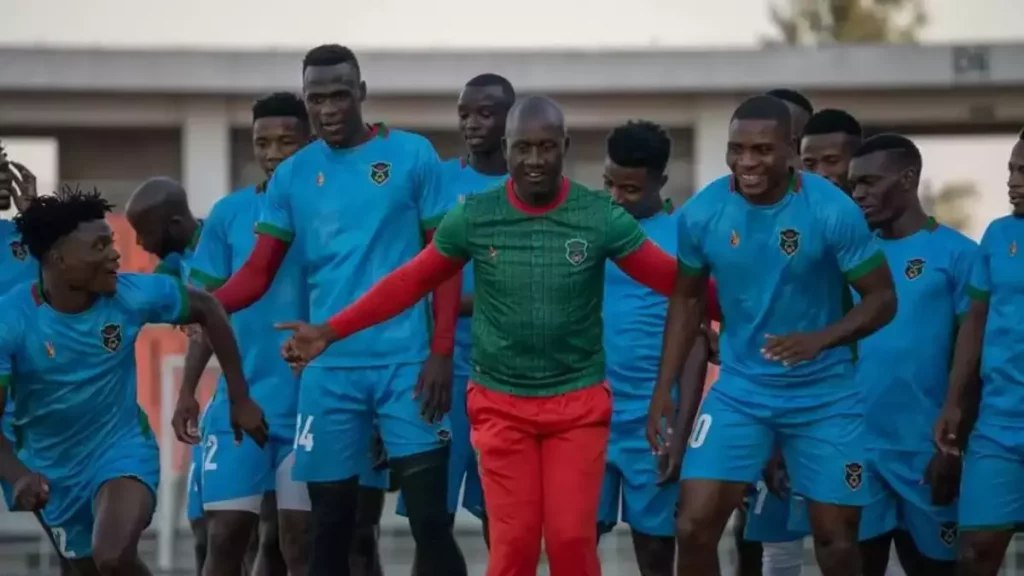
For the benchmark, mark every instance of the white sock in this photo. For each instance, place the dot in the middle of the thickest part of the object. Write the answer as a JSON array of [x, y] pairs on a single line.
[[783, 558]]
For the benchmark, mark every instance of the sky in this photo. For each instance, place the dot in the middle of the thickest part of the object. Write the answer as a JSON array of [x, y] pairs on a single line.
[[463, 24]]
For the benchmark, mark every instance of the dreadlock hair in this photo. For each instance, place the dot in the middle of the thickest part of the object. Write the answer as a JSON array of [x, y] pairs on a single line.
[[640, 144], [280, 105], [50, 218]]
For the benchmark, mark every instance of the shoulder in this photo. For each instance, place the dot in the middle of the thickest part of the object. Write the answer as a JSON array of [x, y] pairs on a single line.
[[20, 299], [408, 143], [228, 204], [706, 200], [7, 228], [997, 226], [490, 197], [953, 239], [822, 192], [132, 286], [304, 159]]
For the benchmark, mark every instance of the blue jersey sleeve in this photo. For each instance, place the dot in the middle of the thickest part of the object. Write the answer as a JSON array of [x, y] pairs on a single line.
[[855, 248], [689, 252], [276, 220], [10, 336], [211, 264], [432, 201], [981, 285], [156, 298], [961, 268]]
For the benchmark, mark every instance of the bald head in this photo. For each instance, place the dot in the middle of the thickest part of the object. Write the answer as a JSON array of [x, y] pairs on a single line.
[[161, 193], [535, 112]]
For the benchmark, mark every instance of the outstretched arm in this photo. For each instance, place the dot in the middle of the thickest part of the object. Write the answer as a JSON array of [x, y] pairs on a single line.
[[396, 292], [876, 308], [11, 468], [651, 266], [253, 279], [446, 305], [205, 310]]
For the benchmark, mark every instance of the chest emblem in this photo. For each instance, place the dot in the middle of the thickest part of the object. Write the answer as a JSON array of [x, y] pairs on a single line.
[[18, 250], [320, 179], [914, 268], [380, 172], [110, 335], [1013, 248], [734, 239], [789, 241], [576, 251]]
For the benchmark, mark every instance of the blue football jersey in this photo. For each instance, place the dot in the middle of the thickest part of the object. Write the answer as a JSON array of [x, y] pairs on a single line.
[[780, 269], [226, 243], [634, 321], [355, 215], [998, 276], [904, 367], [458, 180], [73, 375], [17, 267]]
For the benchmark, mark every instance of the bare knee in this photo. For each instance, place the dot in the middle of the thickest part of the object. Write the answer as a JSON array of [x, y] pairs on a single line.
[[982, 552], [114, 558], [692, 532], [293, 536]]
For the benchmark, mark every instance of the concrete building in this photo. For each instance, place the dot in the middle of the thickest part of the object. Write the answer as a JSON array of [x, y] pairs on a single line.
[[121, 116]]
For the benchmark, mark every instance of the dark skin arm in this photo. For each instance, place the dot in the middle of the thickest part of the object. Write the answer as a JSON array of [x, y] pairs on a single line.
[[964, 392], [691, 388], [205, 310], [31, 490], [876, 308], [186, 414], [682, 329]]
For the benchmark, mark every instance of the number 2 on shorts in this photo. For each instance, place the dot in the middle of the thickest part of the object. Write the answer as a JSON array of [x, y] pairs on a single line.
[[60, 539], [303, 437]]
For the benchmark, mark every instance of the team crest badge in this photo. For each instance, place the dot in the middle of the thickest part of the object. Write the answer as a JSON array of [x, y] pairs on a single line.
[[789, 241], [734, 239], [111, 335], [854, 475], [576, 251], [914, 269], [320, 179], [380, 172], [18, 250], [948, 533]]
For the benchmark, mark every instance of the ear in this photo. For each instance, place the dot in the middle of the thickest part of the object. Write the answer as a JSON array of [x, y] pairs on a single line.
[[362, 90], [567, 143], [662, 181], [909, 178], [504, 147]]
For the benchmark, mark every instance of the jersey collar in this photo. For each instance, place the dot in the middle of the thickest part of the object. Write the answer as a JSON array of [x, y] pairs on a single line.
[[510, 193]]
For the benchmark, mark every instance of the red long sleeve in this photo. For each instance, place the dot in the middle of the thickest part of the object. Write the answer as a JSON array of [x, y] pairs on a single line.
[[446, 301], [253, 279], [397, 291], [652, 267], [714, 310]]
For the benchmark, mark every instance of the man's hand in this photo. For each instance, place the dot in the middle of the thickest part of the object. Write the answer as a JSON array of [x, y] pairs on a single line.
[[776, 478], [434, 387], [31, 492], [306, 342], [191, 331], [247, 418], [792, 348], [660, 418], [943, 475], [669, 463], [24, 189], [378, 455], [945, 434], [185, 420]]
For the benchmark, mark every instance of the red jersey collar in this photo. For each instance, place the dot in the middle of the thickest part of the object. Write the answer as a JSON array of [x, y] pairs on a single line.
[[563, 193]]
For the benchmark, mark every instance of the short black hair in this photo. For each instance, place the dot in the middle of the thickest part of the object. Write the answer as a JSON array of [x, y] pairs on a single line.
[[793, 97], [280, 105], [50, 218], [901, 147], [489, 79], [833, 121], [640, 144], [765, 108], [330, 55]]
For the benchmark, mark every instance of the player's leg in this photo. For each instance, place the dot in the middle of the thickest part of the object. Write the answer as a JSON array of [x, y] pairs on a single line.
[[235, 478], [508, 450], [769, 524], [124, 507], [269, 559], [365, 556], [748, 552], [648, 509], [822, 444], [251, 551], [418, 453], [611, 496], [333, 431], [293, 509], [194, 508], [726, 452], [991, 501], [574, 429], [199, 544]]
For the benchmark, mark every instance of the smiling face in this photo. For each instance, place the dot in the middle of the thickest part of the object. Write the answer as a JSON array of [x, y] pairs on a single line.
[[87, 259], [758, 155]]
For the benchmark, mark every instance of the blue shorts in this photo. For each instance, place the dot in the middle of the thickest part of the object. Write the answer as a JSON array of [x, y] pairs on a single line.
[[631, 484], [337, 409], [236, 476], [461, 460], [194, 507], [820, 437], [69, 512], [768, 517], [992, 487]]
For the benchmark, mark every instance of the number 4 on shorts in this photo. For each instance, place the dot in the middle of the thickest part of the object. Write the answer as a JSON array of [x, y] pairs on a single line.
[[303, 437]]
